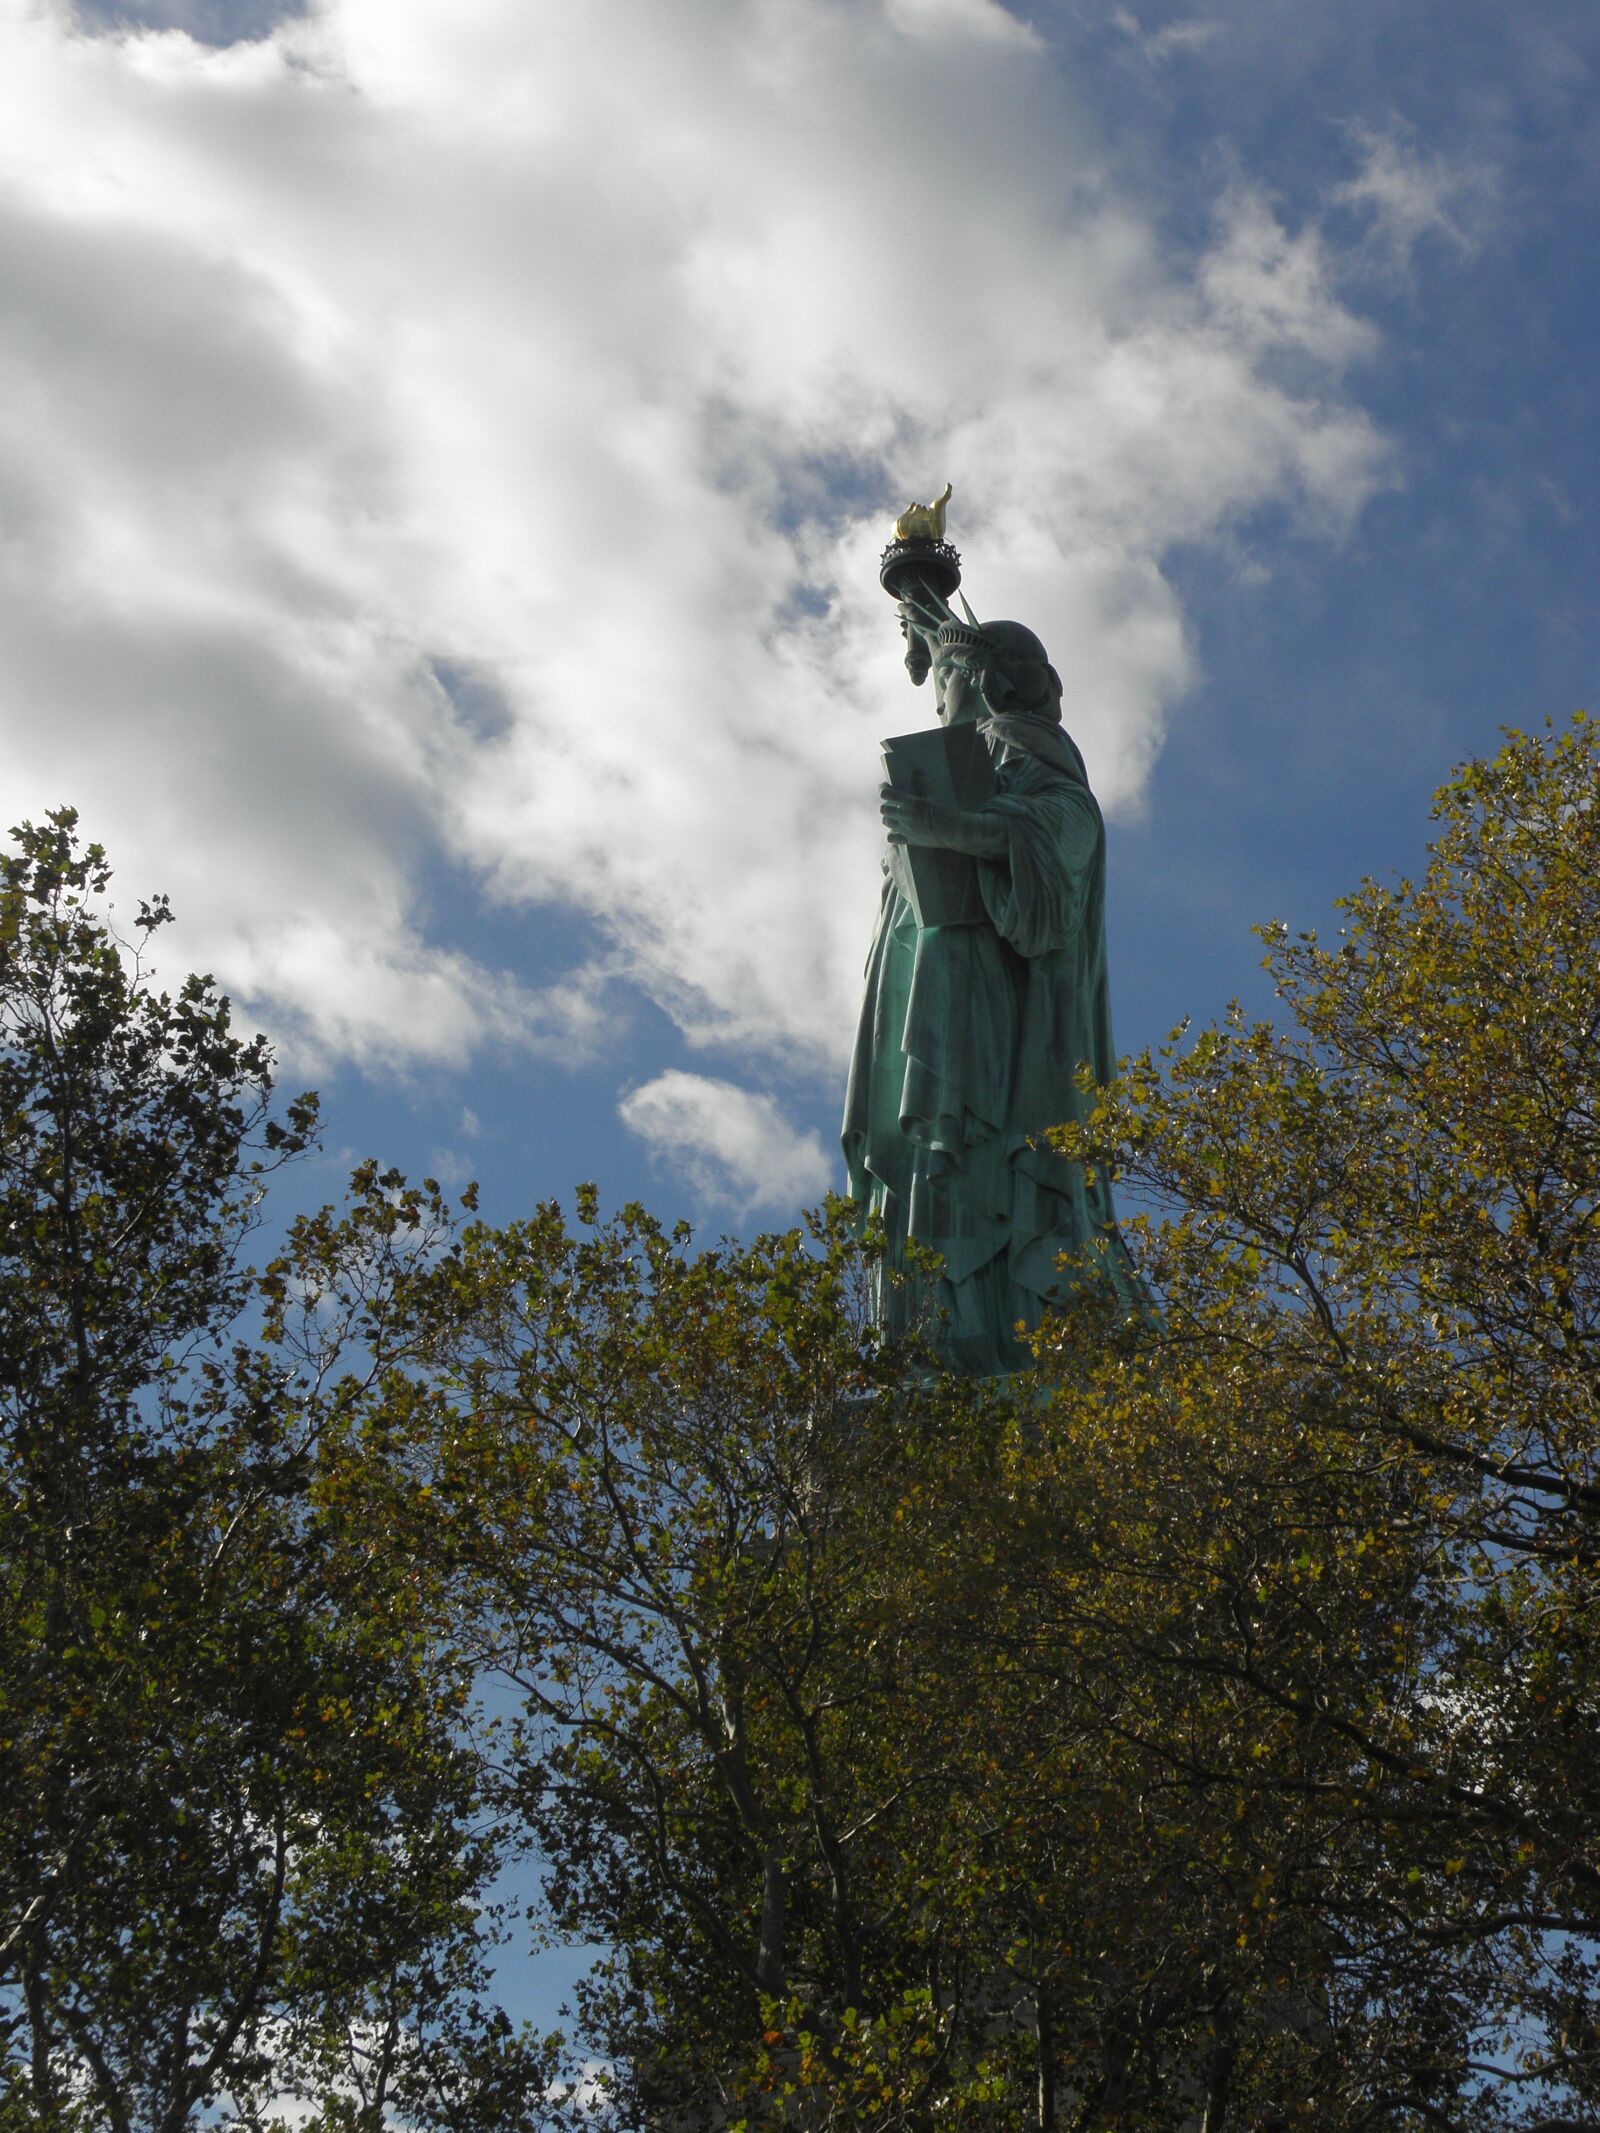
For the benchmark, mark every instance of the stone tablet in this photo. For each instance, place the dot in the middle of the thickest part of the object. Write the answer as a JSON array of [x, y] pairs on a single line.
[[950, 764]]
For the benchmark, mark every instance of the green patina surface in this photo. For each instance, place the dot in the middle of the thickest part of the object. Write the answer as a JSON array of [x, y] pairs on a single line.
[[972, 1035]]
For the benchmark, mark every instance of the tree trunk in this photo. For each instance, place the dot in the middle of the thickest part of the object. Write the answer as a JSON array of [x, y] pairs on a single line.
[[1046, 2054], [770, 1964]]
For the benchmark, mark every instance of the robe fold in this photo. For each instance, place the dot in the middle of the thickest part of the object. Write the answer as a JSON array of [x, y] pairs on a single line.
[[968, 1046]]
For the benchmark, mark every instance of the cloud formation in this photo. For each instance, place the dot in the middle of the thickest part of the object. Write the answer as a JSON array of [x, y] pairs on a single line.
[[1186, 34], [733, 1148], [456, 444], [1407, 196]]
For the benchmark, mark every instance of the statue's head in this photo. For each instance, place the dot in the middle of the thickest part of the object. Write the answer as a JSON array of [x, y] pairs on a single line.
[[1006, 665]]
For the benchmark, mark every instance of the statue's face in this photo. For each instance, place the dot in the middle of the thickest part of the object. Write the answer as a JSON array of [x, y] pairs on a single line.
[[958, 686]]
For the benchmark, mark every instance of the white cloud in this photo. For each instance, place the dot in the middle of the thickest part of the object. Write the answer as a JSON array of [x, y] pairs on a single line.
[[735, 1148], [1406, 197], [1273, 291], [980, 19], [1188, 34], [539, 345]]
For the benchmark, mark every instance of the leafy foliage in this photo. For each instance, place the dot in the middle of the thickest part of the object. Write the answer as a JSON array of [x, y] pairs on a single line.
[[242, 1856], [681, 1498], [1367, 1425], [1195, 1732]]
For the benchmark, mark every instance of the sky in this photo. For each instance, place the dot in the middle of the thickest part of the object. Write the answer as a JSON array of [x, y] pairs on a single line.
[[445, 450]]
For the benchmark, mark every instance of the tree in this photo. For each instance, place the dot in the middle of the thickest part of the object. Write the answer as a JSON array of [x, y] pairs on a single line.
[[682, 1497], [869, 1848], [1195, 1733], [243, 1852], [1199, 1733], [1367, 1421]]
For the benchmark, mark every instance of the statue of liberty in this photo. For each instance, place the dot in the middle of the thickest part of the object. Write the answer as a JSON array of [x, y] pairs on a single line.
[[985, 986]]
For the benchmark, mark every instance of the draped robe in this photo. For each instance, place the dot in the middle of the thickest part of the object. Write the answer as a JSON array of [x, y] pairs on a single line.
[[968, 1046]]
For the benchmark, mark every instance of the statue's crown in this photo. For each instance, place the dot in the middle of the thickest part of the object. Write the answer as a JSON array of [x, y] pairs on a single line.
[[962, 637]]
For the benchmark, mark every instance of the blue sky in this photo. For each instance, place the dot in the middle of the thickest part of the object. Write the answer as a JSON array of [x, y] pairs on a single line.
[[443, 454], [444, 451]]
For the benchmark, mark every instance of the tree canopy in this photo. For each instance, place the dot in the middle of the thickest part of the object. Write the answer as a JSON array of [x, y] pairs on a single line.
[[244, 1847], [1379, 1289], [1195, 1731]]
